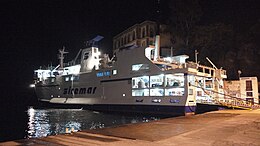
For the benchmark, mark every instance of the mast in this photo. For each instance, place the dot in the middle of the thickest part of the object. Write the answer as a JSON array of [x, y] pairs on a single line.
[[196, 56], [61, 56]]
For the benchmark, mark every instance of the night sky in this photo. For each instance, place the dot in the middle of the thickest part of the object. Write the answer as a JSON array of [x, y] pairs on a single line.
[[32, 31]]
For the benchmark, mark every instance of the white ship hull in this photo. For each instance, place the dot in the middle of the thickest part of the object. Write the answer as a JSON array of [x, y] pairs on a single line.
[[112, 95], [132, 83]]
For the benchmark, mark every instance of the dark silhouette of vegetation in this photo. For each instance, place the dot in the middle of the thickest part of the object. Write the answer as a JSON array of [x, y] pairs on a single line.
[[226, 46]]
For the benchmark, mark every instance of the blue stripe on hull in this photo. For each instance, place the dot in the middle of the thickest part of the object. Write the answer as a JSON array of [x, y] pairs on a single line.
[[190, 109], [143, 109]]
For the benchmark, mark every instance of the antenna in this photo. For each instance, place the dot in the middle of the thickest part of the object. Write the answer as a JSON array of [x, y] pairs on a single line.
[[75, 59], [61, 56], [196, 56]]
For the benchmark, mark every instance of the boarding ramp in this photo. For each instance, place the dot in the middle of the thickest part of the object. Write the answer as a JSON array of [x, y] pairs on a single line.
[[229, 101]]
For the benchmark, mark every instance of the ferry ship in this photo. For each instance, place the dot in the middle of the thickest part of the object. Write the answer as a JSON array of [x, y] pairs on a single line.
[[136, 79]]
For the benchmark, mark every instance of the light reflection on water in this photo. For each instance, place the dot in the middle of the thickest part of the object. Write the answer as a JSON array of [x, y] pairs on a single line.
[[44, 122]]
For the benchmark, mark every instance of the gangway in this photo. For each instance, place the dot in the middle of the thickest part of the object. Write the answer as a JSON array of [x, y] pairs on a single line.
[[231, 102]]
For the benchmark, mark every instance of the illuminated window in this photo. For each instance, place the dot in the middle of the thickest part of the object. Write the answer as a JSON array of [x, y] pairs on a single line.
[[174, 80], [157, 92], [107, 73], [137, 67], [142, 92], [174, 92], [140, 82], [209, 83], [100, 74], [191, 80], [114, 72], [67, 79], [157, 81], [200, 81]]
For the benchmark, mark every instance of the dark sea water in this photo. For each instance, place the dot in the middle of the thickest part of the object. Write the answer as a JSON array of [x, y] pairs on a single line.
[[21, 116], [44, 122], [33, 122]]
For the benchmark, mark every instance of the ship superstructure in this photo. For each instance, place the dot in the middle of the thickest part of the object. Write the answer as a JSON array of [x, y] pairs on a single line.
[[136, 79]]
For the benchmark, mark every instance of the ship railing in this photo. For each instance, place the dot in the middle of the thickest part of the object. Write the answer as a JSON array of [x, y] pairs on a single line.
[[229, 101], [173, 65], [206, 101], [191, 65], [233, 102], [201, 68]]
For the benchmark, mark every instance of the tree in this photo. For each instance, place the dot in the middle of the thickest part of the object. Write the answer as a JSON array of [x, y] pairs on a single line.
[[184, 16], [213, 41], [248, 51]]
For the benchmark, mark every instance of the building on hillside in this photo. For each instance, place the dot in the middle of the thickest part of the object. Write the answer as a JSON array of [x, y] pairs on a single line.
[[143, 34], [245, 88]]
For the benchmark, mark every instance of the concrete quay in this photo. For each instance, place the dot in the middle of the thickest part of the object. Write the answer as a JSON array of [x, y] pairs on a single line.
[[218, 128]]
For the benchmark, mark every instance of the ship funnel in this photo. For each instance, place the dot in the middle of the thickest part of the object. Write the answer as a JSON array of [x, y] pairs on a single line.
[[157, 48]]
